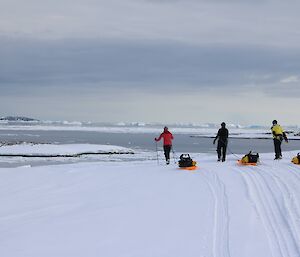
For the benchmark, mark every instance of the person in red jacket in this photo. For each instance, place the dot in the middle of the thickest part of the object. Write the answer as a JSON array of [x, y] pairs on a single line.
[[167, 137]]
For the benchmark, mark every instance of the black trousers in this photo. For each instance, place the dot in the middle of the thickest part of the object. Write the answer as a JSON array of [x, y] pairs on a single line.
[[221, 150], [167, 150], [277, 147]]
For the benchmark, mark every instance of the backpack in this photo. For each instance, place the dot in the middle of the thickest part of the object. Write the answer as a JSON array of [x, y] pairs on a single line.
[[296, 159], [186, 161], [250, 158]]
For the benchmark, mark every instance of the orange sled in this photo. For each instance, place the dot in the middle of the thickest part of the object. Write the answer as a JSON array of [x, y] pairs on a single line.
[[189, 168], [239, 162]]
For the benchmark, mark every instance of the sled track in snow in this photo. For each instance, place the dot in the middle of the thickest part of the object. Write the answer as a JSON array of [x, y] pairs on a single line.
[[271, 198], [221, 216], [295, 169], [289, 192]]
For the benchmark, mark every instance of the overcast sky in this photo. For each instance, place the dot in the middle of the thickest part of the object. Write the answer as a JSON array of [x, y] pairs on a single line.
[[151, 60]]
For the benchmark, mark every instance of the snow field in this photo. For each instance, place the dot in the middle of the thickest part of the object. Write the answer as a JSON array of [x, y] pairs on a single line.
[[136, 209], [64, 149]]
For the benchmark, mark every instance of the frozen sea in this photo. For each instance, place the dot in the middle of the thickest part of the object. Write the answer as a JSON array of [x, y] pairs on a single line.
[[187, 139]]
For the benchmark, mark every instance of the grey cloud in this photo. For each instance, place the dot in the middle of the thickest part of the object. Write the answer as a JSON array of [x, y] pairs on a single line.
[[140, 64], [129, 49], [269, 22], [283, 90]]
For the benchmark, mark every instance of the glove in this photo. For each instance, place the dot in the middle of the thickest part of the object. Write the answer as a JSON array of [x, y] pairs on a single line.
[[286, 140], [214, 141], [155, 139]]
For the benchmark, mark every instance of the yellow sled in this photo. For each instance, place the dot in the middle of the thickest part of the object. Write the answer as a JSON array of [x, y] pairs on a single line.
[[239, 162], [296, 159], [249, 159]]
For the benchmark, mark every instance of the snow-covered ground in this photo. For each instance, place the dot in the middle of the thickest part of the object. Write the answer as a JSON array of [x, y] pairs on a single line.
[[65, 149], [146, 209]]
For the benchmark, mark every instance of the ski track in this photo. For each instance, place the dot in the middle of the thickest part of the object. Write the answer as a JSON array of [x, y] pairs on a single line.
[[279, 215], [295, 170], [221, 216], [290, 200]]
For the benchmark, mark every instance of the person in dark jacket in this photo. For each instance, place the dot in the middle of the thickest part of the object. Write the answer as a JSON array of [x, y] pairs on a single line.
[[167, 137], [222, 137]]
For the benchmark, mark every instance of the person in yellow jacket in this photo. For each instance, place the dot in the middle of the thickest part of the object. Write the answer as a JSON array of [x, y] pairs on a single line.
[[278, 136]]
